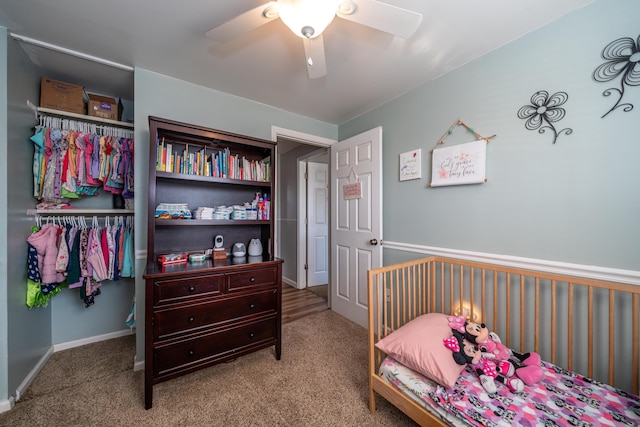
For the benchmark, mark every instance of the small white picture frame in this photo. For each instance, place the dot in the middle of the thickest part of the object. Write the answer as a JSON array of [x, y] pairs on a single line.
[[411, 165]]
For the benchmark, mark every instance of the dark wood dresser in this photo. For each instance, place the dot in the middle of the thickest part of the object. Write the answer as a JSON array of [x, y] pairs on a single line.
[[197, 317]]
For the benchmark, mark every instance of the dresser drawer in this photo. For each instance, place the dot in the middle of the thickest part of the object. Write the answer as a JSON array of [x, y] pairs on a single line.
[[262, 277], [192, 317], [174, 290], [202, 349]]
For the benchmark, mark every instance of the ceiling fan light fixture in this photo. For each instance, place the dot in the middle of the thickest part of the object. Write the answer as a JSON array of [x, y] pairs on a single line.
[[307, 18]]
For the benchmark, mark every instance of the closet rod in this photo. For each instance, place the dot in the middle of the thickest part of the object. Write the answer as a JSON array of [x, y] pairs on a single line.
[[89, 217], [87, 212], [67, 51], [84, 126], [83, 117]]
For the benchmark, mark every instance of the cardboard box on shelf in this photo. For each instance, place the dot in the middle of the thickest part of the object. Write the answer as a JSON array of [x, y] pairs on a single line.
[[104, 107], [61, 96]]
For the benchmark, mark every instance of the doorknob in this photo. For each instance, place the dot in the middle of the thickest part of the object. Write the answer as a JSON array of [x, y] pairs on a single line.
[[373, 242]]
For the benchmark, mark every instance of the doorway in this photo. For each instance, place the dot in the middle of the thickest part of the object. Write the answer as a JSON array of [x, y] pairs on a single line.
[[356, 215], [294, 152], [313, 222]]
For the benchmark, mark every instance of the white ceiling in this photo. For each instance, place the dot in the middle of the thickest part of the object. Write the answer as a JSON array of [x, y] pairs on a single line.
[[365, 67]]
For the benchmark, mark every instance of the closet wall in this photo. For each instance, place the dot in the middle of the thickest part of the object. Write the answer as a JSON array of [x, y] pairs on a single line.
[[28, 332], [31, 333]]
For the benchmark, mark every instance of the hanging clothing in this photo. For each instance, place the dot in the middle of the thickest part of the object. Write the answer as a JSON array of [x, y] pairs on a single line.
[[95, 258], [63, 255], [35, 296], [73, 267], [128, 266], [68, 164], [44, 241]]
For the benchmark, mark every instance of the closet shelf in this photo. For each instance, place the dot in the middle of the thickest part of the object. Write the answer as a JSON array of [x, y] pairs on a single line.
[[84, 117], [63, 212]]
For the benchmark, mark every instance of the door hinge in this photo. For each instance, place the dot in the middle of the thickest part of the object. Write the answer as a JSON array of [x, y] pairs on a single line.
[[306, 266]]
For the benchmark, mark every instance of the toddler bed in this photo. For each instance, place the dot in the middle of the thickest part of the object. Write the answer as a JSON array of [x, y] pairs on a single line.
[[586, 331]]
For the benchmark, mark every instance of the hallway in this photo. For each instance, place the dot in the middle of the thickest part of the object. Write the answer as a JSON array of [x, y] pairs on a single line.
[[297, 303]]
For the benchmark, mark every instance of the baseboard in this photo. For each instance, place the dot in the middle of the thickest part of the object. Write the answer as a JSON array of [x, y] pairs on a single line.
[[30, 377], [588, 271], [6, 405], [290, 282], [89, 340], [138, 365]]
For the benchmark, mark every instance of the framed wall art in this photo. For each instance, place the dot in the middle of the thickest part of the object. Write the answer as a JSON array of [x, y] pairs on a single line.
[[411, 165]]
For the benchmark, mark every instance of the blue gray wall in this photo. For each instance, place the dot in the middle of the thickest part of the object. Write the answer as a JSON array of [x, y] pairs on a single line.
[[162, 96], [28, 333], [4, 315], [575, 201]]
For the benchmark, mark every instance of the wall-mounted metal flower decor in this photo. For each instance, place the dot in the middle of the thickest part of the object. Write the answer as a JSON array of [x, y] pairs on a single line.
[[623, 59], [545, 109]]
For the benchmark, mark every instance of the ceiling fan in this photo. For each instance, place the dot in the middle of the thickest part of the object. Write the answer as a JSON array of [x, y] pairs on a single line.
[[309, 18]]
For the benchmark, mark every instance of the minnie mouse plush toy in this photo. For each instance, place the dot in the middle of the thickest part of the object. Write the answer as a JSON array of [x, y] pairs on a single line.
[[465, 352], [525, 366]]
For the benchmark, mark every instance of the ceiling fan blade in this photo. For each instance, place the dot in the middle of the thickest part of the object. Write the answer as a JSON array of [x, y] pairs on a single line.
[[244, 23], [314, 57], [381, 16]]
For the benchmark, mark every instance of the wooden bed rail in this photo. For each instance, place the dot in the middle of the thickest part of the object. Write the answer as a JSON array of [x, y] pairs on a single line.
[[585, 325]]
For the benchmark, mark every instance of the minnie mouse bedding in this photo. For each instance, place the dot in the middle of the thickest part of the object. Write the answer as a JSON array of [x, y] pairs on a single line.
[[561, 398]]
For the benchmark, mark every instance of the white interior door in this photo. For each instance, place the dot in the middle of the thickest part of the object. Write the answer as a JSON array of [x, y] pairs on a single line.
[[317, 224], [356, 221]]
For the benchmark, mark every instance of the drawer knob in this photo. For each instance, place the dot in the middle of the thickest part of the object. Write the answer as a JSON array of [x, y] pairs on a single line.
[[192, 288], [191, 352], [252, 306], [253, 279], [190, 319], [251, 335]]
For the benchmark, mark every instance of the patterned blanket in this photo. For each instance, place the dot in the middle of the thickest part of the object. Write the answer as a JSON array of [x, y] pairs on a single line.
[[562, 398]]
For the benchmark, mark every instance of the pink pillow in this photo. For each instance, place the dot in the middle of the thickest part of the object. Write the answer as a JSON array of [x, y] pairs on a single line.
[[419, 346]]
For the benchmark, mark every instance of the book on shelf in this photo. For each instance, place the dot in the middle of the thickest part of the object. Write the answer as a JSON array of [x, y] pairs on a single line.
[[163, 154], [159, 149], [169, 157], [216, 164]]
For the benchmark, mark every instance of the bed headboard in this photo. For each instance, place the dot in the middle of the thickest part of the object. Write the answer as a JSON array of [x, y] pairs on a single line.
[[585, 325]]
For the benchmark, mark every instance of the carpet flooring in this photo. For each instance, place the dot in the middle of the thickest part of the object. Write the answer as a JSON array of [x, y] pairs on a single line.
[[321, 380]]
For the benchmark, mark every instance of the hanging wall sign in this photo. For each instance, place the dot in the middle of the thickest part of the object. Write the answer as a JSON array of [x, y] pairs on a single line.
[[353, 190], [459, 164]]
